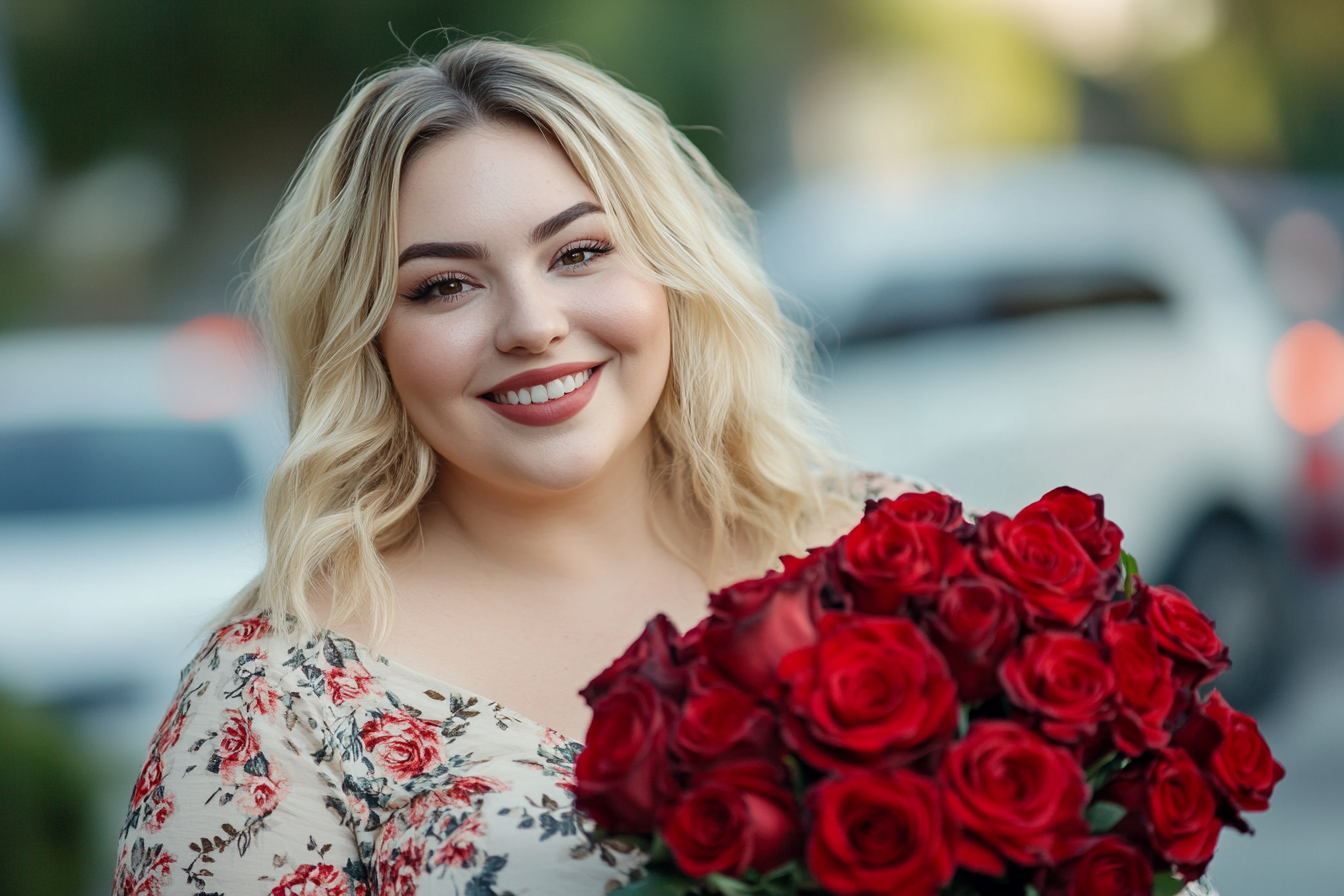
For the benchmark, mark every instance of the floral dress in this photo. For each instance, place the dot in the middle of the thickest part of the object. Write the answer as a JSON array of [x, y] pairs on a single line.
[[317, 767]]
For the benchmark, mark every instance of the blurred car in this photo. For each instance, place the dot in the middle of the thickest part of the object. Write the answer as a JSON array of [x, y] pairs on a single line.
[[132, 464], [1087, 318]]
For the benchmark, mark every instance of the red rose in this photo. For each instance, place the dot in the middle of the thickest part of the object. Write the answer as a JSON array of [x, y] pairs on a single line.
[[934, 508], [245, 630], [403, 744], [1183, 632], [886, 559], [974, 624], [399, 872], [878, 833], [754, 624], [1039, 557], [1143, 682], [1083, 515], [151, 777], [143, 871], [653, 655], [1062, 679], [1111, 867], [873, 690], [1242, 765], [258, 795], [315, 880], [158, 811], [237, 742], [622, 775], [348, 682], [719, 721], [1181, 810], [259, 697], [1016, 797], [735, 817]]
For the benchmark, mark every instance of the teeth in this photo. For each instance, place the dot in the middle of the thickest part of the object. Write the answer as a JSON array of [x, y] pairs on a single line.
[[544, 393]]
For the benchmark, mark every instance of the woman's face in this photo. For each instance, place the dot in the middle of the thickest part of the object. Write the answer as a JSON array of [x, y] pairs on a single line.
[[526, 351]]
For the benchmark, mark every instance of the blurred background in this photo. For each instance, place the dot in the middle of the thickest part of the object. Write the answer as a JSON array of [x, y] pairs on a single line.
[[1093, 242]]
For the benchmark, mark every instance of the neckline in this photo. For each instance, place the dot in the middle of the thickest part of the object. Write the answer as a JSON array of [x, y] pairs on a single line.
[[444, 687]]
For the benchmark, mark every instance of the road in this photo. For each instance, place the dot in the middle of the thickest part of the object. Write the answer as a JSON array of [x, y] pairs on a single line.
[[1298, 846]]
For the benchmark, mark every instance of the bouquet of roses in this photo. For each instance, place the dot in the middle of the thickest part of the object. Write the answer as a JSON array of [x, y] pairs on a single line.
[[929, 705]]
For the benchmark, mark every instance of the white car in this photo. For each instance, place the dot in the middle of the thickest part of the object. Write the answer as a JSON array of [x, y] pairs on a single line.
[[132, 463], [1087, 318]]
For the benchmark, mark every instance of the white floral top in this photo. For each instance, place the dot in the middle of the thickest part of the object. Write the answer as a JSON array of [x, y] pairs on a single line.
[[324, 769]]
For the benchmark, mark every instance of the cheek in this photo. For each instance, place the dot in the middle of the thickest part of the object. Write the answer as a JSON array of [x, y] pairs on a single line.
[[427, 360], [634, 320]]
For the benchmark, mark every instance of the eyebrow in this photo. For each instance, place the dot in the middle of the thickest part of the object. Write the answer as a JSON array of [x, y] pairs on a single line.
[[556, 223], [475, 251]]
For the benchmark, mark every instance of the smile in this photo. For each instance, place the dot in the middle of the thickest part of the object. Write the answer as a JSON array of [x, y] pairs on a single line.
[[556, 388], [560, 397]]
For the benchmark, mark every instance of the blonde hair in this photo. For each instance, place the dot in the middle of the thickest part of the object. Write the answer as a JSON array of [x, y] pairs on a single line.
[[736, 441]]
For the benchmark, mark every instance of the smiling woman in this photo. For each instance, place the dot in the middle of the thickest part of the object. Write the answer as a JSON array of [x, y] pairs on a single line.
[[539, 391]]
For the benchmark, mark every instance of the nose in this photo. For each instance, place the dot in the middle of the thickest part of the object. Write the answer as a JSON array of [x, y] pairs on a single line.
[[533, 317]]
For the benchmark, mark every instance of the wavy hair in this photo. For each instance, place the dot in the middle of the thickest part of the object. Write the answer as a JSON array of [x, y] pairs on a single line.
[[737, 444]]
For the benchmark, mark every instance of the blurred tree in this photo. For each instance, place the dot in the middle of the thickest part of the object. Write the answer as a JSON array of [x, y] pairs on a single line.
[[45, 826]]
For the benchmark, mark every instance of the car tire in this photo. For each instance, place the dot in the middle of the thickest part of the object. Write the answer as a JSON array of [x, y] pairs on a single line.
[[1234, 574]]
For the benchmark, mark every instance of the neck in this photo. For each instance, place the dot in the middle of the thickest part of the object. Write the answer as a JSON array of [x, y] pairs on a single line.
[[548, 533]]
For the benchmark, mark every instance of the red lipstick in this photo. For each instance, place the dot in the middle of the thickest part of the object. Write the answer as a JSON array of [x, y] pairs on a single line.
[[551, 411]]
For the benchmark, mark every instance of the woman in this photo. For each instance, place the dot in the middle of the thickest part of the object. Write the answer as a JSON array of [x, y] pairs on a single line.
[[539, 392]]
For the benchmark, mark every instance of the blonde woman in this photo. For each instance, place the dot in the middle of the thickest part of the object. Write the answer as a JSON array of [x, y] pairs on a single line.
[[539, 391]]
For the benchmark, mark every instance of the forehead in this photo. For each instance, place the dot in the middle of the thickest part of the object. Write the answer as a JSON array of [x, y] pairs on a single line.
[[489, 178]]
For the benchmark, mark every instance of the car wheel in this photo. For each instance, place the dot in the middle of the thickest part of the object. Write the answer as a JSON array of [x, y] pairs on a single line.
[[1232, 573]]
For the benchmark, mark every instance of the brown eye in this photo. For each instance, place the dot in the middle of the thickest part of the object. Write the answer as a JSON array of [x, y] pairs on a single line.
[[574, 256], [449, 287]]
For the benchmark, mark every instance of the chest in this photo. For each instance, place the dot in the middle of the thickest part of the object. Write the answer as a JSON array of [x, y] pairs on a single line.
[[533, 646]]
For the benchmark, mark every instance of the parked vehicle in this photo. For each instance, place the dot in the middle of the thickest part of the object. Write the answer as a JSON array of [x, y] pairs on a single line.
[[132, 461], [1089, 318]]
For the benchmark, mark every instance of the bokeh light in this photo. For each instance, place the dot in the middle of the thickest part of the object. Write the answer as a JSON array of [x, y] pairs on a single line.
[[1306, 377], [213, 366]]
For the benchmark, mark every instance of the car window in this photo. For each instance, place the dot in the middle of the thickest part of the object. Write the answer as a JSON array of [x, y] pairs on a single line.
[[915, 305], [72, 468]]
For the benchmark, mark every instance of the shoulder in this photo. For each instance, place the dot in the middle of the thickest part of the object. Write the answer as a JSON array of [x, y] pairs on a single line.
[[872, 486]]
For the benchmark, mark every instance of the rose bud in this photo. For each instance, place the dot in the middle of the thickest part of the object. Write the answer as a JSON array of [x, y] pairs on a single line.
[[1057, 580], [1062, 680], [1183, 633], [872, 691], [1242, 766], [885, 560], [1143, 683], [653, 655], [1111, 867], [1182, 814], [1083, 515], [719, 721], [879, 833], [735, 817], [622, 777], [933, 508], [974, 624], [1016, 797], [754, 624]]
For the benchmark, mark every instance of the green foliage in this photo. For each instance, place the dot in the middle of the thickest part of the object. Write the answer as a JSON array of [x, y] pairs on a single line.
[[1131, 567], [45, 829], [1167, 884], [1102, 815]]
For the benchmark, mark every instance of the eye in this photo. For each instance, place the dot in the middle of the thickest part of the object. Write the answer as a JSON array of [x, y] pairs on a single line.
[[580, 254], [443, 286]]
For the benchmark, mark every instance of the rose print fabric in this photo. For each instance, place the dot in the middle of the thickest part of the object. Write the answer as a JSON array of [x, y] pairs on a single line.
[[315, 767]]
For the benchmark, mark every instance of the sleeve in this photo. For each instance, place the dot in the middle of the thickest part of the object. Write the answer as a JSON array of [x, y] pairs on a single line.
[[868, 486], [239, 795]]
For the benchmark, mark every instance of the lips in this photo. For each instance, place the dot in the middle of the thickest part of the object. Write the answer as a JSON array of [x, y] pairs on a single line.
[[553, 405]]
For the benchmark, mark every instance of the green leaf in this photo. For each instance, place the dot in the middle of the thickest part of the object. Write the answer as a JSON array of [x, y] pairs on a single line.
[[730, 886], [657, 883], [1031, 891], [1103, 815], [1167, 884], [1131, 567], [963, 719]]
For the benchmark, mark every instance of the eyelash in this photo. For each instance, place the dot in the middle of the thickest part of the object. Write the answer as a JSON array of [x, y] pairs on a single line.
[[595, 248]]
